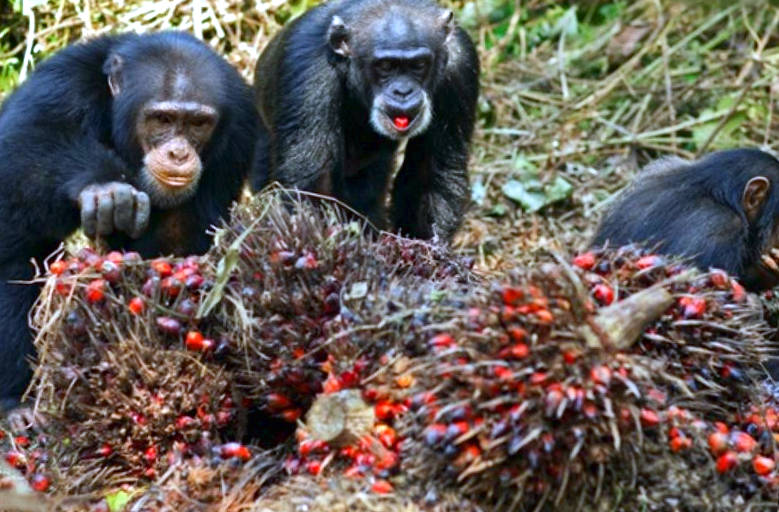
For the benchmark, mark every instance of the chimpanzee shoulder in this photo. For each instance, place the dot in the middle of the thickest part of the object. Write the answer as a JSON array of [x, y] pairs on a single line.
[[694, 208]]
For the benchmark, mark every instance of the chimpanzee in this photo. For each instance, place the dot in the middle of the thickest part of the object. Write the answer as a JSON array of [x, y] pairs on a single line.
[[144, 140], [721, 211], [342, 86]]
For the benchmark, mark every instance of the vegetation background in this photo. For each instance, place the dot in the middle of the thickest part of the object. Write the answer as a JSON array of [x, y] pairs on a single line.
[[576, 96]]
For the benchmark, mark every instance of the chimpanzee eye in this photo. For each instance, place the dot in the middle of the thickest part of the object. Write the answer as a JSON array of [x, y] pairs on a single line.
[[163, 118], [418, 66], [384, 66], [199, 122]]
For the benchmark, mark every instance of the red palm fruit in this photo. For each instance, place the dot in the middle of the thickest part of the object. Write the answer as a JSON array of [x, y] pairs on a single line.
[[384, 410], [40, 482], [601, 374], [544, 316], [739, 294], [649, 418], [763, 465], [194, 341], [537, 378], [354, 471], [386, 434], [168, 325], [680, 443], [517, 334], [721, 427], [468, 454], [718, 443], [150, 454], [381, 487], [314, 467], [585, 261], [110, 271], [743, 442], [162, 267], [331, 384], [404, 381], [442, 340], [136, 305], [291, 415], [604, 293], [502, 372], [727, 461], [96, 290], [62, 287], [520, 351], [184, 422], [512, 296], [115, 257], [307, 261], [105, 450], [58, 267], [649, 261], [170, 286], [720, 279], [693, 307], [386, 460], [16, 459], [235, 450], [194, 282], [277, 401]]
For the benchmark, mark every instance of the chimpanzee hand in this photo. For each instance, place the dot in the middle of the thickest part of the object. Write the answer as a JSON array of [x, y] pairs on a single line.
[[115, 206]]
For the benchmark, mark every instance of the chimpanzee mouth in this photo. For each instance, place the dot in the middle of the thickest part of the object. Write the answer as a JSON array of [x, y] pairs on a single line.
[[402, 122], [398, 124], [172, 179]]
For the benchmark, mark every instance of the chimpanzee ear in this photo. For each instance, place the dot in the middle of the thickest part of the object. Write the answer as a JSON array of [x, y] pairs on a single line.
[[338, 37], [446, 22], [113, 68], [755, 194]]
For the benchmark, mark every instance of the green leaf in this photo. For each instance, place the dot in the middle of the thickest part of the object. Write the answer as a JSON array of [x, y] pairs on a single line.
[[519, 193], [531, 195], [118, 500], [558, 190], [225, 267], [498, 210], [569, 23]]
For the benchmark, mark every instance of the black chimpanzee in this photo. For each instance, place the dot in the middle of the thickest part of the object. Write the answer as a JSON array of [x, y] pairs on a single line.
[[142, 139], [339, 89], [722, 211]]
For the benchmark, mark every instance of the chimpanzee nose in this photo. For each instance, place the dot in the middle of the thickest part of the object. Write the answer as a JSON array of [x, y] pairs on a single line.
[[178, 154], [403, 91]]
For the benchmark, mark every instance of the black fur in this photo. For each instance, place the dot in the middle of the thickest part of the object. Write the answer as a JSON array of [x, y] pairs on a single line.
[[315, 109], [62, 130], [695, 209]]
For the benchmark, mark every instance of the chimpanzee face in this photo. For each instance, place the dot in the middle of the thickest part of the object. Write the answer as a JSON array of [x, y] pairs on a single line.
[[164, 111], [395, 61]]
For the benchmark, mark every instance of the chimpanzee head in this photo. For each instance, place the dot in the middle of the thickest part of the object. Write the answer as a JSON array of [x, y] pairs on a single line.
[[395, 58], [166, 107]]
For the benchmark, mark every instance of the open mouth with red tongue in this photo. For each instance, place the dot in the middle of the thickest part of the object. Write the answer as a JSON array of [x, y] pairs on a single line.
[[401, 122]]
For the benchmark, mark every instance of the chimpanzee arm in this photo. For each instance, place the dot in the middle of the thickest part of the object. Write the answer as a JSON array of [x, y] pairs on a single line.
[[45, 169], [306, 97], [430, 193]]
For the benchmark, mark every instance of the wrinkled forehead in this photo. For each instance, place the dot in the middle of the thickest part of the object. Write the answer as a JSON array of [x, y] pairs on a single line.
[[399, 30], [175, 76]]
